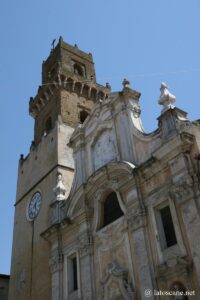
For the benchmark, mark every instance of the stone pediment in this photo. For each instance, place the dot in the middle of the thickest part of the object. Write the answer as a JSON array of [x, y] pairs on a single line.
[[102, 138], [113, 132]]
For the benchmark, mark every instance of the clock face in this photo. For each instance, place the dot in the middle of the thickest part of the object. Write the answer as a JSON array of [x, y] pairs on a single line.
[[34, 206]]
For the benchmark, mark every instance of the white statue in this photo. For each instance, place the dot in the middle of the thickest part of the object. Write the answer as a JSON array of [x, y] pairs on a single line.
[[166, 98], [60, 189]]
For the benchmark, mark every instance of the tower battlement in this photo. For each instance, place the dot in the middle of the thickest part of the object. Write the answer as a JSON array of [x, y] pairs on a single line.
[[68, 89]]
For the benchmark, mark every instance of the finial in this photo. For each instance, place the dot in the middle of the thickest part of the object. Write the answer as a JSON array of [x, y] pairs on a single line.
[[166, 98], [60, 189], [126, 83]]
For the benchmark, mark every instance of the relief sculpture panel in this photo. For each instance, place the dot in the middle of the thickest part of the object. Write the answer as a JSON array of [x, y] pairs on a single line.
[[113, 260]]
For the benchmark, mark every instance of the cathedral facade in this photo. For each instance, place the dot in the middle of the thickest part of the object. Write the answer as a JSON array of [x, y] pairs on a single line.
[[103, 209]]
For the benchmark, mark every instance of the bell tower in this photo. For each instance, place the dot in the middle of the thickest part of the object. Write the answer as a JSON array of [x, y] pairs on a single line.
[[64, 99], [68, 89]]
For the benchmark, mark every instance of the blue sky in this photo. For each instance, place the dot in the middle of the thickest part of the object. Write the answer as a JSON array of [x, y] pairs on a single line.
[[145, 41]]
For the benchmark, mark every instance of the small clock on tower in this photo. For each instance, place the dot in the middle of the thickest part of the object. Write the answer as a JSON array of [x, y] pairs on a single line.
[[33, 207]]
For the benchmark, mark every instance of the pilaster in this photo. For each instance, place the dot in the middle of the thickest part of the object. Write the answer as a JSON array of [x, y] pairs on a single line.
[[86, 266], [56, 268], [137, 225]]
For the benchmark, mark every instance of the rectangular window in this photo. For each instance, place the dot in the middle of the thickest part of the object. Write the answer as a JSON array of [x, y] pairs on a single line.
[[75, 278], [167, 227], [72, 273]]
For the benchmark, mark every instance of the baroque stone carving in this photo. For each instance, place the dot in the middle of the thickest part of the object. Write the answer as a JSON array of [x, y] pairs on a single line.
[[135, 108], [56, 261], [136, 219], [86, 242], [136, 111], [174, 267], [116, 285], [182, 190]]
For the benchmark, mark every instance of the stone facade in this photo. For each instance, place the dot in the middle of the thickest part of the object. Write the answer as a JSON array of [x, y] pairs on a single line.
[[127, 221]]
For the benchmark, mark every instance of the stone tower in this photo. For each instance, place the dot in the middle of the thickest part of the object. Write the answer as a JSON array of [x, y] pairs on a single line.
[[64, 100]]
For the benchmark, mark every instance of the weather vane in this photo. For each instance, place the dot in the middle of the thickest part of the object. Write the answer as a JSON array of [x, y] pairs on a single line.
[[53, 43]]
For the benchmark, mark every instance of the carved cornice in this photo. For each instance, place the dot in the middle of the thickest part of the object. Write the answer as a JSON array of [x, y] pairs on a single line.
[[54, 231], [128, 92], [50, 233]]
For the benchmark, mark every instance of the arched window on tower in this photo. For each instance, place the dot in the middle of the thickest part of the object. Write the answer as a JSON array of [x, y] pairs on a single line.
[[111, 209], [83, 116], [48, 125], [79, 70]]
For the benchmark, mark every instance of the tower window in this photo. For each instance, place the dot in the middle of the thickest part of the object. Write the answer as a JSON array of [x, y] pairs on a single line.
[[167, 227], [111, 209], [75, 279], [72, 274], [83, 116], [48, 125], [79, 70]]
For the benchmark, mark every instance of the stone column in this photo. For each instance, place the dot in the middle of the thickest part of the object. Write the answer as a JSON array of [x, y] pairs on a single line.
[[86, 267], [137, 224], [56, 267]]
